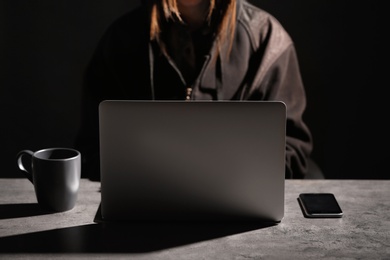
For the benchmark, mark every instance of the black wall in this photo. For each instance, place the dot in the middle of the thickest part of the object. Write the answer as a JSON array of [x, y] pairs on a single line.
[[45, 46]]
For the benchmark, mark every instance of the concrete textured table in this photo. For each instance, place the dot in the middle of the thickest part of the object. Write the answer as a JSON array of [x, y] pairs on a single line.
[[27, 232]]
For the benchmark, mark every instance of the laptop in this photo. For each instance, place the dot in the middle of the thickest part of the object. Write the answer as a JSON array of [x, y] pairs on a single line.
[[197, 160]]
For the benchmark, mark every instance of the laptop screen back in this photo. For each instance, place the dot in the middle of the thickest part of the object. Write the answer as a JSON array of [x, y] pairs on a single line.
[[200, 160]]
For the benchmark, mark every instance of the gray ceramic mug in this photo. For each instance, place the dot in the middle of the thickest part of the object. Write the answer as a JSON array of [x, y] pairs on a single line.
[[55, 173]]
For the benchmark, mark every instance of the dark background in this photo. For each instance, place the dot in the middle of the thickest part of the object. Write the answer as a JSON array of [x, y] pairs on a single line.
[[45, 46]]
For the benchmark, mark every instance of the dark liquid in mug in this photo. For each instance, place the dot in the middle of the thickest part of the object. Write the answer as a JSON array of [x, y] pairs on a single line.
[[56, 154]]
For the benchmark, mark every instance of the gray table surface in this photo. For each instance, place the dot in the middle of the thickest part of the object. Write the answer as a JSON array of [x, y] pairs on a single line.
[[27, 232]]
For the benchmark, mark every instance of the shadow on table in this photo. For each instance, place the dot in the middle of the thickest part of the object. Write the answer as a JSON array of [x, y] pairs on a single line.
[[134, 237], [21, 210]]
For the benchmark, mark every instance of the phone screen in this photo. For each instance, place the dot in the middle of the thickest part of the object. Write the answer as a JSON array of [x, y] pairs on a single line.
[[319, 205]]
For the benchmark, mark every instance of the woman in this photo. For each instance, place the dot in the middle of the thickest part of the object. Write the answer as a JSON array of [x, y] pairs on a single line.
[[197, 50]]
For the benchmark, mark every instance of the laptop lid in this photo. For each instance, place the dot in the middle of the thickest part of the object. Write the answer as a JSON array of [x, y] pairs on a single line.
[[198, 160]]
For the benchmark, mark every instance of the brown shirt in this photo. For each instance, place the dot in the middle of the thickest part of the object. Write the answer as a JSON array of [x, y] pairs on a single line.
[[188, 48]]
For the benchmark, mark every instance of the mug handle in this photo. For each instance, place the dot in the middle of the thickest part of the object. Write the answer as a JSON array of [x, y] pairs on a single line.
[[21, 167]]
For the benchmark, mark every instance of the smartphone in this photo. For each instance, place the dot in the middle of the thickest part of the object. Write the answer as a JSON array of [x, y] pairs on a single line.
[[319, 205]]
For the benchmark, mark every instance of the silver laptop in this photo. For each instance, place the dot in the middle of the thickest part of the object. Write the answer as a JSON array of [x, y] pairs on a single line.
[[198, 160]]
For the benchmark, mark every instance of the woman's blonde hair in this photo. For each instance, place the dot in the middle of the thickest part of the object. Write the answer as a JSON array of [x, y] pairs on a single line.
[[224, 11]]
